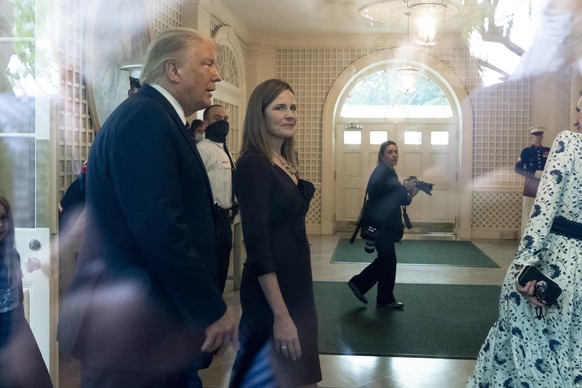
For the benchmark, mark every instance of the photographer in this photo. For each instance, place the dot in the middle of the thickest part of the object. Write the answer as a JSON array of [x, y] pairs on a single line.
[[382, 223]]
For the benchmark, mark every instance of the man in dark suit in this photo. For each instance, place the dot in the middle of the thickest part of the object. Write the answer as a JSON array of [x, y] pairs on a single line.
[[144, 304]]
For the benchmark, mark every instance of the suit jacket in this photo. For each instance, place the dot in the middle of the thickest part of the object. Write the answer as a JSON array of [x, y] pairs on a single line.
[[146, 272]]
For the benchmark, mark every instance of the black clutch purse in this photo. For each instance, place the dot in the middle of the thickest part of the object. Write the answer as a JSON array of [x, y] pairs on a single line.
[[546, 289]]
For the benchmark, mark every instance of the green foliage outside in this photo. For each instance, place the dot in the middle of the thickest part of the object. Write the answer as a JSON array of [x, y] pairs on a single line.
[[381, 88]]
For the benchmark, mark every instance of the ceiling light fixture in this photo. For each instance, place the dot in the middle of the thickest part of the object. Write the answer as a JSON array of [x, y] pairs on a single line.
[[427, 16], [407, 75]]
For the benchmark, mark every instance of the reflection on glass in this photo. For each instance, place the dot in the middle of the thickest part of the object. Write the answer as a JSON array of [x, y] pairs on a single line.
[[352, 137], [16, 114], [413, 137], [17, 171], [378, 137], [439, 138], [377, 95]]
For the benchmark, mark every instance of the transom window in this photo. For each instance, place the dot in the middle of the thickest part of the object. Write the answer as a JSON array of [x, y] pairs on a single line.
[[378, 96]]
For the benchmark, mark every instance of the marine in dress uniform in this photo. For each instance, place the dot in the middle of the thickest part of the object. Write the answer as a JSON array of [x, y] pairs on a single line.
[[530, 164]]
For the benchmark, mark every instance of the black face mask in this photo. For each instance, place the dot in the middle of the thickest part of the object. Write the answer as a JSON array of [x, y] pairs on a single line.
[[217, 131]]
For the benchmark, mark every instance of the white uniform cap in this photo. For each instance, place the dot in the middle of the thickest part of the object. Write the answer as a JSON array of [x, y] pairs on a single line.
[[536, 130]]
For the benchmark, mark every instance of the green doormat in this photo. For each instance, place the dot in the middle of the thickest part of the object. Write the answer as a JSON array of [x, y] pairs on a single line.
[[434, 252], [438, 321]]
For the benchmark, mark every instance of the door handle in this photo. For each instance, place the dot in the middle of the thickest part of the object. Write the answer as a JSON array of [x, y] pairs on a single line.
[[34, 244], [32, 264]]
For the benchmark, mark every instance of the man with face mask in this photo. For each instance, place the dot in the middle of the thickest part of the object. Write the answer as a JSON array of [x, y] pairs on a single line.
[[220, 168]]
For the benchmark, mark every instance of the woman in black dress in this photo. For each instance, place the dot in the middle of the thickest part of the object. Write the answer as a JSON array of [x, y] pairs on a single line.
[[386, 195], [21, 363], [278, 327]]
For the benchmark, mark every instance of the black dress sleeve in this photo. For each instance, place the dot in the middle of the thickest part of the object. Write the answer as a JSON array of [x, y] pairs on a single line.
[[253, 181]]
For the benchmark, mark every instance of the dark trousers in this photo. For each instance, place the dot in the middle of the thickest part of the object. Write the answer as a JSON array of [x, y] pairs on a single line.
[[382, 271], [223, 248]]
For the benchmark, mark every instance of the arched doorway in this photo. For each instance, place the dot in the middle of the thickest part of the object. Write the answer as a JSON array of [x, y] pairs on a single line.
[[231, 91], [453, 168]]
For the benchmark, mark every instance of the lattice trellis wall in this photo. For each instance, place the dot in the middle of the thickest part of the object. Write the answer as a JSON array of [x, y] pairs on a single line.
[[164, 14], [504, 206], [75, 129], [501, 116], [311, 73]]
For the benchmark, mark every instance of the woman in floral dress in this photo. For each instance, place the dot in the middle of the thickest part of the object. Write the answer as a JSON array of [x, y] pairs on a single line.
[[529, 348]]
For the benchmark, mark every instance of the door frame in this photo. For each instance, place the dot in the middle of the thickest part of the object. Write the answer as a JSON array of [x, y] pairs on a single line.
[[460, 103]]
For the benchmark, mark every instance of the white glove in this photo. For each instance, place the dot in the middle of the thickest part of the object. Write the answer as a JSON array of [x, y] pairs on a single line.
[[538, 174]]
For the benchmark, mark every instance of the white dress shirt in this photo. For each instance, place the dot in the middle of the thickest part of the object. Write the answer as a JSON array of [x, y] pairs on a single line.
[[219, 171]]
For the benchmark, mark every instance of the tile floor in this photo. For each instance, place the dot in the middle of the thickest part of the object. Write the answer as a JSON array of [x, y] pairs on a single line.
[[366, 371]]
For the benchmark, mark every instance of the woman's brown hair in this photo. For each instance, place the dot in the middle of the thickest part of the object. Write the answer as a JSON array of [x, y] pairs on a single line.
[[8, 246]]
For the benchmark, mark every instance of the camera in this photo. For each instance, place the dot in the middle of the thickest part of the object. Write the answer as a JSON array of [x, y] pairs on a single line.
[[369, 234], [422, 186]]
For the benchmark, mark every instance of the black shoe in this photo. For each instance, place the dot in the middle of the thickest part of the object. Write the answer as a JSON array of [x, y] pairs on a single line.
[[394, 305], [357, 292]]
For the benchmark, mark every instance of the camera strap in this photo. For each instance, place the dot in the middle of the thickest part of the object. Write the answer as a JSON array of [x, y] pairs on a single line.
[[360, 218], [406, 218]]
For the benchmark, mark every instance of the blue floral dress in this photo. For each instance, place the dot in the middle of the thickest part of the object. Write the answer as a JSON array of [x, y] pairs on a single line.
[[521, 350]]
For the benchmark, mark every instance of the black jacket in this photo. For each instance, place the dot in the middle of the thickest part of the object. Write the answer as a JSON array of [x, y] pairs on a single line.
[[386, 195]]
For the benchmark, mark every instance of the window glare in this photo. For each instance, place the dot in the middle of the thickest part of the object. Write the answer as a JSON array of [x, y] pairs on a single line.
[[378, 137], [352, 137], [413, 137], [377, 96], [439, 138]]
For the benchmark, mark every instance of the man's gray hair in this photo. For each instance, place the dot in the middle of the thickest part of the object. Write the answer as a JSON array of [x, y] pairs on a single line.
[[168, 45]]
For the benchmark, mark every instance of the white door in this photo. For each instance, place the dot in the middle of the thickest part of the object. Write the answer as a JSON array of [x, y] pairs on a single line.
[[26, 167], [24, 177], [427, 151], [33, 246], [356, 157]]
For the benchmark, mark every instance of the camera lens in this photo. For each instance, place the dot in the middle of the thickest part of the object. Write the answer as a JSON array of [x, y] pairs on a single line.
[[370, 246]]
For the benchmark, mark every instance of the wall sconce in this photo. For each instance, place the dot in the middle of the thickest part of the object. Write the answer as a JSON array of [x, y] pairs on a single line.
[[354, 127], [134, 74]]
